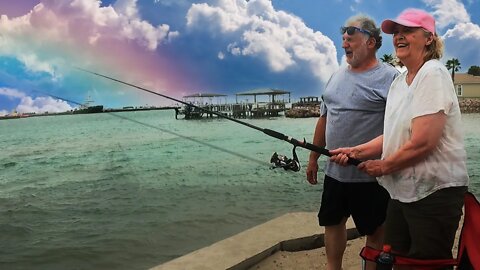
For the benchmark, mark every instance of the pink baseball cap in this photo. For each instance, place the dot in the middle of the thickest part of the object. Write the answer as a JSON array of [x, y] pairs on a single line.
[[411, 18]]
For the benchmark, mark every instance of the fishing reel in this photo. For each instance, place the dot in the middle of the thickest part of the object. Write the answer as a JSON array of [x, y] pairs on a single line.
[[288, 164]]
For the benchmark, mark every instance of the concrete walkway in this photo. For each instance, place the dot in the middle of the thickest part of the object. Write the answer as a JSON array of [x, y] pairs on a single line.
[[290, 232]]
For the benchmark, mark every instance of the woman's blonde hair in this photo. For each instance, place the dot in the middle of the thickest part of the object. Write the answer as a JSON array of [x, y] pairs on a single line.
[[434, 49]]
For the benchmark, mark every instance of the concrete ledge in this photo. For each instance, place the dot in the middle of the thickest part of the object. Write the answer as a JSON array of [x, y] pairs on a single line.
[[290, 232]]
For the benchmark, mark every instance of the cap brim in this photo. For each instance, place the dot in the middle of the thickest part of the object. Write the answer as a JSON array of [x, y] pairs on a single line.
[[389, 25]]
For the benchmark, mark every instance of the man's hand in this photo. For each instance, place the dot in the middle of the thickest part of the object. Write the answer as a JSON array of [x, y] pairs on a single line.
[[312, 171]]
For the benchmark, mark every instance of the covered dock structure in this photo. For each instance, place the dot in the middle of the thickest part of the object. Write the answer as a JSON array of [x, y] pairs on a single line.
[[273, 106], [209, 101]]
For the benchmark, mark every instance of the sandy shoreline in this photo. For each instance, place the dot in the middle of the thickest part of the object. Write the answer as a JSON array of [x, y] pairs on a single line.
[[312, 259], [316, 258]]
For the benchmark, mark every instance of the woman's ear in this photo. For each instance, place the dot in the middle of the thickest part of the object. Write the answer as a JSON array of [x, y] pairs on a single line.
[[429, 40]]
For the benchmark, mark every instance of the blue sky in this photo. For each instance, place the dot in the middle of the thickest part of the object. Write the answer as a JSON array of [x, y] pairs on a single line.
[[180, 47]]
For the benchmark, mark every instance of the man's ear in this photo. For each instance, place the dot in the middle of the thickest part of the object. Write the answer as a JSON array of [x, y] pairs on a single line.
[[371, 42]]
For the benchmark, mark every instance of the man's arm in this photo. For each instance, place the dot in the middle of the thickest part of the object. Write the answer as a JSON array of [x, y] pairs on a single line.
[[319, 136], [318, 140]]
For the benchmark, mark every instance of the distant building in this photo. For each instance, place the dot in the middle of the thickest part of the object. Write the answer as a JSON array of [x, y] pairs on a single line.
[[467, 86]]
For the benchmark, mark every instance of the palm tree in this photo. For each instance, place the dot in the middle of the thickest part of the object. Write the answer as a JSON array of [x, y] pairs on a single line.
[[454, 65], [387, 58]]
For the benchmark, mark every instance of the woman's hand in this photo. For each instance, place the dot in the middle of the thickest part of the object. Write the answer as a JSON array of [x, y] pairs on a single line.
[[373, 167]]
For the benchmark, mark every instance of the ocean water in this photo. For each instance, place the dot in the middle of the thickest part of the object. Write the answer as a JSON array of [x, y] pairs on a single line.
[[132, 190]]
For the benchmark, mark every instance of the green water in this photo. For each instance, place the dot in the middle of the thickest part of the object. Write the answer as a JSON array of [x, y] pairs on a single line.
[[135, 189]]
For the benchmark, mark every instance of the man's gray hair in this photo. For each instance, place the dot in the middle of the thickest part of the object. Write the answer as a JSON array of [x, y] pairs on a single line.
[[368, 24]]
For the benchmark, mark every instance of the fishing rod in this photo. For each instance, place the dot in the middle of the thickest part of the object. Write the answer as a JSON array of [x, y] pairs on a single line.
[[276, 159]]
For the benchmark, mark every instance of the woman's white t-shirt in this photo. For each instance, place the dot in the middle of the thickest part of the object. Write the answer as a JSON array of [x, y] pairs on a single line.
[[431, 91]]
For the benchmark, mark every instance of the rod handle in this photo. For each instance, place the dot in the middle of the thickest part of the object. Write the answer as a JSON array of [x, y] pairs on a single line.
[[326, 152]]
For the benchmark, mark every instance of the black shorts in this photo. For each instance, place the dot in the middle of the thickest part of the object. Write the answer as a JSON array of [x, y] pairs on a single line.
[[365, 202]]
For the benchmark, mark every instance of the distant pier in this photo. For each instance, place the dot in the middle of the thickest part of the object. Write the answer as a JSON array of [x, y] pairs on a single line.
[[274, 106], [88, 110]]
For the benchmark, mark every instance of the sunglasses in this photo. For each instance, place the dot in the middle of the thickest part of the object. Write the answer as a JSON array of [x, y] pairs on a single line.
[[351, 30]]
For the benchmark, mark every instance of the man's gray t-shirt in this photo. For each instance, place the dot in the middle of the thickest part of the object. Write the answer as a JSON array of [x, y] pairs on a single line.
[[354, 104]]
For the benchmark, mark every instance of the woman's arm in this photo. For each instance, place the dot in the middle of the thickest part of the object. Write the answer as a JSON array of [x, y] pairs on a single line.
[[426, 133]]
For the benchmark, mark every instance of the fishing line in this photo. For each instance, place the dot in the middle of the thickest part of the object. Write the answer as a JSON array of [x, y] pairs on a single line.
[[192, 139], [260, 162], [288, 164]]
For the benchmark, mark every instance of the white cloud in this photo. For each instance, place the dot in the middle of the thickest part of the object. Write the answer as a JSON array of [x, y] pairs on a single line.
[[42, 105], [11, 93], [32, 62], [448, 12], [135, 28], [3, 112], [218, 18], [256, 29], [38, 105], [127, 7], [464, 31]]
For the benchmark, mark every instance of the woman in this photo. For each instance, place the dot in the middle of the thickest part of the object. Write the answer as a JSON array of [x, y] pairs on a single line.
[[423, 164]]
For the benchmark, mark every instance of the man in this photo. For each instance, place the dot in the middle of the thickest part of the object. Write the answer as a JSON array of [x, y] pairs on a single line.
[[352, 113]]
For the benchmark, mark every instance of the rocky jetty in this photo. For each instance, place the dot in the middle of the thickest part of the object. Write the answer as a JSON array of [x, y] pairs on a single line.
[[307, 107], [303, 112], [469, 105]]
